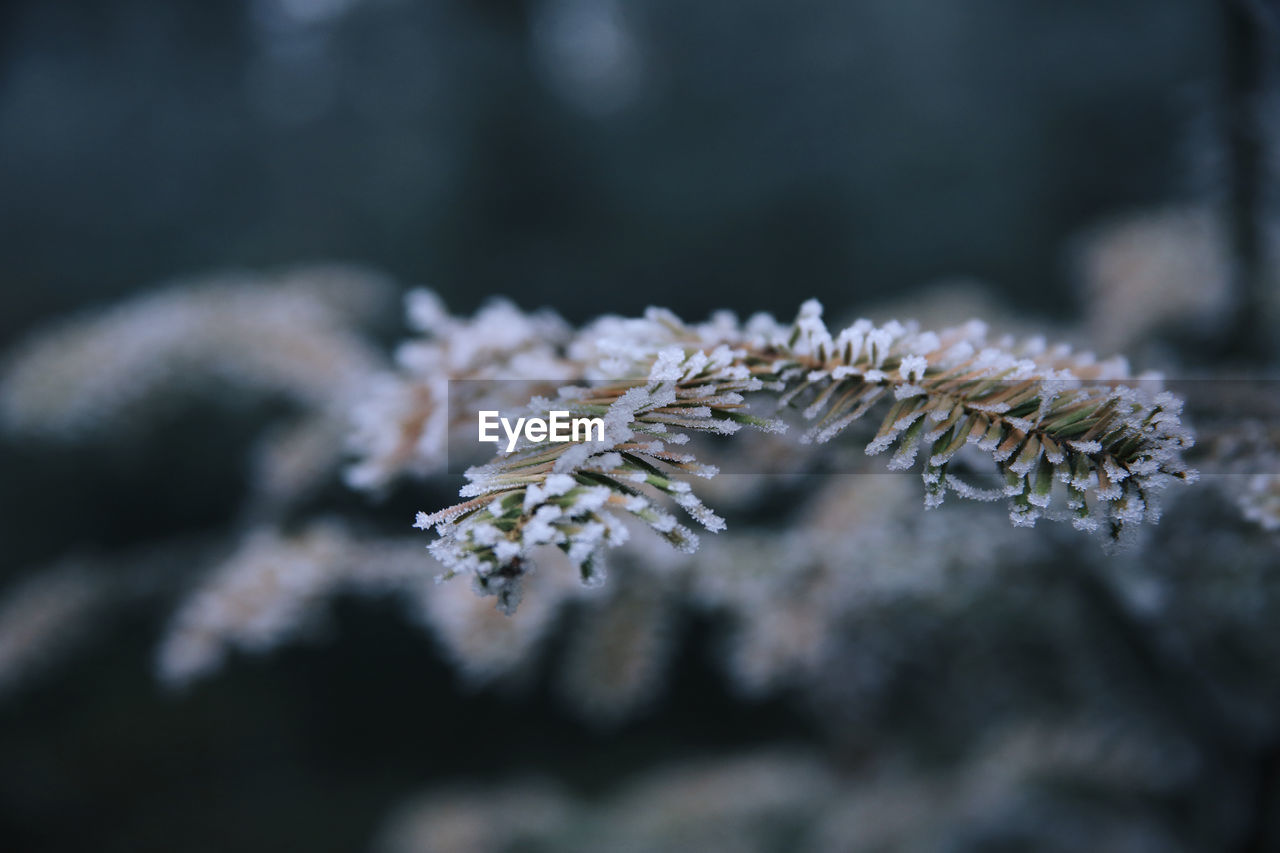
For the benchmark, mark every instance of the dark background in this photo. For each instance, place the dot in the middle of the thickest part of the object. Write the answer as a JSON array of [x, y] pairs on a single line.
[[696, 155], [742, 154]]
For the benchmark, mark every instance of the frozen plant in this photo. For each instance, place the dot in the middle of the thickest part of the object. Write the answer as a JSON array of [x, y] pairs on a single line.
[[261, 594], [1061, 428], [294, 336], [275, 584], [1260, 501], [402, 424]]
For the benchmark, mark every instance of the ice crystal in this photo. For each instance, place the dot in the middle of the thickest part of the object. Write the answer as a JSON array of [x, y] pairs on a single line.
[[262, 594]]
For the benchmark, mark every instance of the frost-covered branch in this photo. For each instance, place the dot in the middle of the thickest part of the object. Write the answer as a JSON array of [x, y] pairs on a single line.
[[1060, 428]]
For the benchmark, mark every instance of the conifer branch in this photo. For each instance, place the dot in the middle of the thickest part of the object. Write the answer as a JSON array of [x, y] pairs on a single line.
[[1059, 427]]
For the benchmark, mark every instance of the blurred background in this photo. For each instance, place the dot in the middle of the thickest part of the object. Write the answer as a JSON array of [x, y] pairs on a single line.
[[594, 156], [591, 156]]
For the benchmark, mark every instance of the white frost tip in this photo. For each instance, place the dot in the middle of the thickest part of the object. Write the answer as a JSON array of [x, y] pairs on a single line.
[[1023, 517], [558, 484], [666, 368], [912, 368]]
